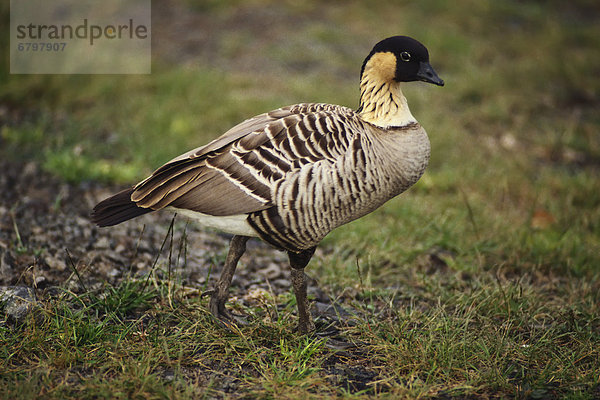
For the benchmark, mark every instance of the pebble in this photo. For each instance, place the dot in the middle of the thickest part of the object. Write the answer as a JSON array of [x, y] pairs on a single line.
[[272, 271], [102, 243], [18, 301], [6, 262]]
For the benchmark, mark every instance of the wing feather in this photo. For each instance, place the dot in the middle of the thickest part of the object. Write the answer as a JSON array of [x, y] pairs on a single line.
[[236, 173]]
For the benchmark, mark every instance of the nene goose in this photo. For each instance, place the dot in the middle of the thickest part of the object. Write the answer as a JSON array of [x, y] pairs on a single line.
[[292, 175]]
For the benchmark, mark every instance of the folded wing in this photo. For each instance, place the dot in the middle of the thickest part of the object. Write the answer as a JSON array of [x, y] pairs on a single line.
[[236, 173]]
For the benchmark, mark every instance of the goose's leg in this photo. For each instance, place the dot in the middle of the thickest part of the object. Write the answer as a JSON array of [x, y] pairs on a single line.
[[221, 291], [298, 261]]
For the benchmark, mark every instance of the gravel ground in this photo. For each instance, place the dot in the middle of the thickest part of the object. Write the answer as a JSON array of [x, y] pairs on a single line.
[[45, 230]]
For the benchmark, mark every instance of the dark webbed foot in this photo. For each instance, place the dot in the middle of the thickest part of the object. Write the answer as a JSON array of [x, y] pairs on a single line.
[[297, 263], [219, 295], [222, 314]]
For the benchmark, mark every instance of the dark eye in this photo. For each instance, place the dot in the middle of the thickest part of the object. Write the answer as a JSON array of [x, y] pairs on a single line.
[[405, 56]]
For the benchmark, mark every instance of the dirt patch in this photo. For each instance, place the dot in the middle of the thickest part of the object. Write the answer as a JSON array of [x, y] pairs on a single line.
[[45, 229]]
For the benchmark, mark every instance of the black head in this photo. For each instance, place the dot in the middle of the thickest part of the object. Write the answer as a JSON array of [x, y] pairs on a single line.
[[403, 59]]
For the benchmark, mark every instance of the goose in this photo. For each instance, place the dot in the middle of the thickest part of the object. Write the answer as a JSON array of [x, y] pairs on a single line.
[[292, 175]]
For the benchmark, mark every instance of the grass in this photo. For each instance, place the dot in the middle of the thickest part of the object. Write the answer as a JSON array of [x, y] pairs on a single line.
[[482, 281], [487, 338]]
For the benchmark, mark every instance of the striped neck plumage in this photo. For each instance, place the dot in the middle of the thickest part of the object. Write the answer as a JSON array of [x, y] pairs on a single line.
[[382, 102]]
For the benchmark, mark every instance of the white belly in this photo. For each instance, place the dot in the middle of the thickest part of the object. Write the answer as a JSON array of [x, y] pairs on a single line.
[[234, 224]]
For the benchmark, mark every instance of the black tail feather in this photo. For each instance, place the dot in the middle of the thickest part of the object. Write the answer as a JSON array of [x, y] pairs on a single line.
[[117, 209]]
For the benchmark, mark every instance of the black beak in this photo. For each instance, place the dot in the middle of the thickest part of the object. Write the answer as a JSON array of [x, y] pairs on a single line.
[[427, 74]]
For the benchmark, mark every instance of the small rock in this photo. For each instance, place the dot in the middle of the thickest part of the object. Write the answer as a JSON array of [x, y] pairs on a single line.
[[272, 271], [113, 273], [7, 263], [56, 263], [103, 243], [140, 266], [18, 301], [39, 281], [169, 375], [281, 283]]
